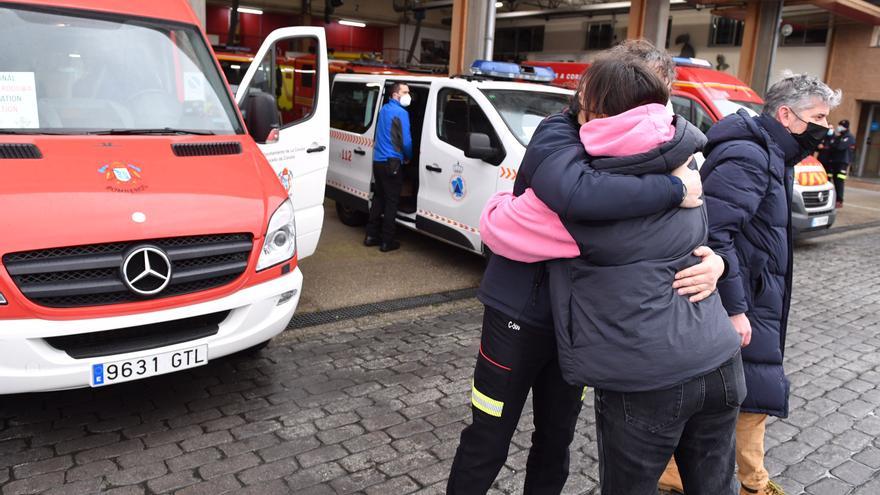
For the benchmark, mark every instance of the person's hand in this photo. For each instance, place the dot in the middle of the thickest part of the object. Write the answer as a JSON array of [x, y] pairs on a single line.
[[693, 183], [700, 280], [743, 328]]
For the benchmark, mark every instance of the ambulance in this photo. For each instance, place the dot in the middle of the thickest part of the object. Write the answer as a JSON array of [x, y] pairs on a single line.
[[145, 230], [704, 96], [469, 137]]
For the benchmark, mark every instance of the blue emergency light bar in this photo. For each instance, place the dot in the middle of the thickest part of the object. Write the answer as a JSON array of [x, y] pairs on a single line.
[[692, 62], [511, 71]]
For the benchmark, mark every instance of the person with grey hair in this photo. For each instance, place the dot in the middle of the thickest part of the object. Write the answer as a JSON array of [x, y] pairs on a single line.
[[747, 184]]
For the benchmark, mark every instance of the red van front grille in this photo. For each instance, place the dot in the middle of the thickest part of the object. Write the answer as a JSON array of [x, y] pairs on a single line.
[[91, 275]]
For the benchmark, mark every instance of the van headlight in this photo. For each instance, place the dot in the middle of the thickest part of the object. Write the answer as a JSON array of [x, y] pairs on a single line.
[[279, 245]]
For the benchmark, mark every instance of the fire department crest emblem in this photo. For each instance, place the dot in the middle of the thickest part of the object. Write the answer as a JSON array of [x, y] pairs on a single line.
[[122, 176]]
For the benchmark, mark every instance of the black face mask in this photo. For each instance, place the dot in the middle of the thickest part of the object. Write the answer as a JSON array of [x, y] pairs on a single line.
[[811, 138]]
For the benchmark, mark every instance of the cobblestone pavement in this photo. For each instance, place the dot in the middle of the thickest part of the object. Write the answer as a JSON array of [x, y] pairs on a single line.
[[375, 406]]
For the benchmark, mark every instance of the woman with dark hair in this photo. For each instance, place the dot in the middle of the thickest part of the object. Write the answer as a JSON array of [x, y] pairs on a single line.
[[667, 371], [517, 352]]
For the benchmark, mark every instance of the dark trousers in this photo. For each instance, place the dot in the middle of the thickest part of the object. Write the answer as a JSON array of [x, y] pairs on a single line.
[[837, 171], [388, 181], [638, 432], [513, 359]]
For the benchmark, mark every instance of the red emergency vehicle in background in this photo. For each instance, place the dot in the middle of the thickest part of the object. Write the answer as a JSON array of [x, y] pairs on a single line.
[[144, 230], [295, 88], [704, 96]]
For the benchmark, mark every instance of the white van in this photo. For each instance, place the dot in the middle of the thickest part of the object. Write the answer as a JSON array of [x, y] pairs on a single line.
[[469, 137]]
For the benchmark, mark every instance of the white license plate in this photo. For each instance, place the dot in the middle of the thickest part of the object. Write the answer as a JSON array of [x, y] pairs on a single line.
[[820, 221], [158, 364]]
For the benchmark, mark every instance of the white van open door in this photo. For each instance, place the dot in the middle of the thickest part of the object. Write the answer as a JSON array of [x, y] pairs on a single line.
[[291, 65]]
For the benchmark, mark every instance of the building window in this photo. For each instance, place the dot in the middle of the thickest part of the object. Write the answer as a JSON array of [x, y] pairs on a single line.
[[805, 34], [512, 44], [599, 36], [725, 32], [875, 37]]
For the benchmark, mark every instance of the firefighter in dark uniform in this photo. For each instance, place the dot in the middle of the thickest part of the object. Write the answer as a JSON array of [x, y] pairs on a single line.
[[836, 156], [393, 148]]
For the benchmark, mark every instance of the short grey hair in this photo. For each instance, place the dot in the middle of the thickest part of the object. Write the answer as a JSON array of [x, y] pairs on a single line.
[[799, 92], [657, 59]]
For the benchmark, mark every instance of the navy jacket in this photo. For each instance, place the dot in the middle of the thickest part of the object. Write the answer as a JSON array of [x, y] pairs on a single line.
[[555, 166], [620, 325], [393, 136], [747, 182], [841, 149]]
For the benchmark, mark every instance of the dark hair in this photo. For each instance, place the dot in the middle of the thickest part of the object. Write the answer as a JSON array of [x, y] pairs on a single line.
[[612, 86], [395, 88], [657, 60]]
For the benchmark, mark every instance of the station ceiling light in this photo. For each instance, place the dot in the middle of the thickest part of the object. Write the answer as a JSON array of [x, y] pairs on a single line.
[[249, 10], [498, 5], [352, 23]]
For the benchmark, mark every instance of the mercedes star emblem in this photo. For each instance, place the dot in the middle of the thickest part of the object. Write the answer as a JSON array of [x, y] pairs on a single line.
[[146, 270]]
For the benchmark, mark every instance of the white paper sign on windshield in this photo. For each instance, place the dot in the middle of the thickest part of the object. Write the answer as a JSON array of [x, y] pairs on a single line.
[[18, 101], [194, 86]]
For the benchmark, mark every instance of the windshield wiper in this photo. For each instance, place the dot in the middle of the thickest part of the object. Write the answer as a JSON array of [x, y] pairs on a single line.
[[163, 130]]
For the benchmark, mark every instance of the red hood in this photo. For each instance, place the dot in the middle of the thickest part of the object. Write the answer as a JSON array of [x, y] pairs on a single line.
[[86, 189]]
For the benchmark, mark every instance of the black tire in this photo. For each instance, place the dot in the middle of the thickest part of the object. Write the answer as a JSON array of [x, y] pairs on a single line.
[[350, 216]]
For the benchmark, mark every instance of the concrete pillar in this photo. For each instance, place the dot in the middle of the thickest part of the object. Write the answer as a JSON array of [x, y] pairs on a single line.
[[649, 20], [468, 39], [198, 7], [760, 37]]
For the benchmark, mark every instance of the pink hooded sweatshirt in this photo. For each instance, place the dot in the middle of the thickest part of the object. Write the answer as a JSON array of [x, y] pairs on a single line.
[[523, 228]]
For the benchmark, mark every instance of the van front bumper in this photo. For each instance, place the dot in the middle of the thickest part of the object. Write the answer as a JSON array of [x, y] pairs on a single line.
[[29, 364]]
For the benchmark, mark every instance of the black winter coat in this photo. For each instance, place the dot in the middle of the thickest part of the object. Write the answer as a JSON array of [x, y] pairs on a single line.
[[747, 182], [555, 166], [620, 325]]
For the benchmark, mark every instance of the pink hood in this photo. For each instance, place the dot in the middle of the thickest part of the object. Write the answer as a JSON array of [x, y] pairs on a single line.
[[629, 133]]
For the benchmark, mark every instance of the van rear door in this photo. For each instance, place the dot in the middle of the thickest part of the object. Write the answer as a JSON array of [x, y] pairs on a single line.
[[300, 154]]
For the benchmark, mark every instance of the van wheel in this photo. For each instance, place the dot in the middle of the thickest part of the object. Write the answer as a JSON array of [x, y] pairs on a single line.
[[350, 216]]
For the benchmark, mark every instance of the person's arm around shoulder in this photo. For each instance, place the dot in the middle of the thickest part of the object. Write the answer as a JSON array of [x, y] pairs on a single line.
[[523, 228], [576, 192]]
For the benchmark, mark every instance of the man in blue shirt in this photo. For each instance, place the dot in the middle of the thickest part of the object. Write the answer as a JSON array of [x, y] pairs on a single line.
[[392, 149]]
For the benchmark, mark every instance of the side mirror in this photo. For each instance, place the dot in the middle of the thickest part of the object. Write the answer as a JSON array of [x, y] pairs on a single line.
[[480, 147], [260, 112]]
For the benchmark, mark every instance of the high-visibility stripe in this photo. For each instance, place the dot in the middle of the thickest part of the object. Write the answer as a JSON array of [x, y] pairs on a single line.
[[485, 403], [584, 393], [841, 176]]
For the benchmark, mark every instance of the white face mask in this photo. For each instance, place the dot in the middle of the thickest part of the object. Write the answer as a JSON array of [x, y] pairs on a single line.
[[840, 129], [405, 100]]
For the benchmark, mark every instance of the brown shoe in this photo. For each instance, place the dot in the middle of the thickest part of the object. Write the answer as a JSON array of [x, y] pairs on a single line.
[[771, 489]]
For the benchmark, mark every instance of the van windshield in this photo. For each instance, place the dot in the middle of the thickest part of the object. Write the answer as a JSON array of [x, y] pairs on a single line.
[[522, 111], [73, 72]]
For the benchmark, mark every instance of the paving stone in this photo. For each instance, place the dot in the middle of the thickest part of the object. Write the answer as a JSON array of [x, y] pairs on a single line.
[[37, 468], [216, 486], [172, 481], [92, 470], [84, 487], [829, 486], [193, 460], [399, 485], [268, 471], [321, 455], [34, 484], [148, 456], [137, 474], [228, 466], [853, 473]]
